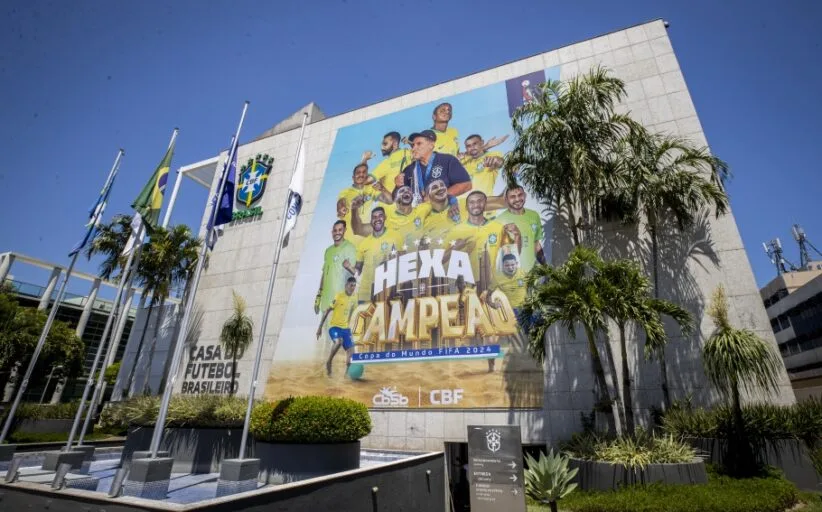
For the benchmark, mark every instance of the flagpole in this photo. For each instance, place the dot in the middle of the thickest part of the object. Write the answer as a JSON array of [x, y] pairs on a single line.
[[180, 343], [53, 313], [274, 266]]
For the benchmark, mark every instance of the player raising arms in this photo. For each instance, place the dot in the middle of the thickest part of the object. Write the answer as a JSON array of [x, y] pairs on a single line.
[[482, 165], [401, 217], [396, 159], [359, 187], [340, 331]]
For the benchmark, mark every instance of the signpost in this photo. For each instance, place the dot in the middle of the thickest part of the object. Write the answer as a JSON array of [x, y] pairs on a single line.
[[495, 468]]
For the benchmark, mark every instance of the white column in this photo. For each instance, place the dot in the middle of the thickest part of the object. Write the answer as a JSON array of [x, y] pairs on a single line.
[[121, 326], [92, 296], [46, 298], [173, 199], [5, 266]]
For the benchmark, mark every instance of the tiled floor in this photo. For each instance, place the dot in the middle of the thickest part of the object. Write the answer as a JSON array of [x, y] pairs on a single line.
[[185, 488]]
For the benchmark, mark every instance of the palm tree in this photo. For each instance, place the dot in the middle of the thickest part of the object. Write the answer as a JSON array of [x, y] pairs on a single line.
[[736, 360], [564, 144], [168, 260], [666, 176], [569, 295], [110, 242], [237, 333], [628, 298]]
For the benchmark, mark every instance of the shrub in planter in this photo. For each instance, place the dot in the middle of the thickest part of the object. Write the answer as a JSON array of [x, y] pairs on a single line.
[[59, 411], [310, 419], [202, 411], [309, 436]]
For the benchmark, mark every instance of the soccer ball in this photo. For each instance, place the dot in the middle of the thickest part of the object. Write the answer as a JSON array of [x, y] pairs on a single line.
[[355, 371]]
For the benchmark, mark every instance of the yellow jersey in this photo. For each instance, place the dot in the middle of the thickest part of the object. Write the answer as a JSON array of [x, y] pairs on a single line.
[[409, 227], [512, 286], [438, 223], [482, 178], [341, 308], [372, 251], [391, 166], [447, 141], [489, 236], [348, 194]]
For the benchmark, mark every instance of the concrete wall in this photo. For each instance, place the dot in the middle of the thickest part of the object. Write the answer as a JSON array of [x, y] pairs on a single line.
[[693, 264]]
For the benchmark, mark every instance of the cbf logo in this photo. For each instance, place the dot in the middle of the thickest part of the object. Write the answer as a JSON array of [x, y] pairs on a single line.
[[492, 239], [253, 177], [493, 440], [417, 222]]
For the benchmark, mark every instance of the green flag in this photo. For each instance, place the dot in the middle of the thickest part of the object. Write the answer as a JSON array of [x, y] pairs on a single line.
[[150, 201]]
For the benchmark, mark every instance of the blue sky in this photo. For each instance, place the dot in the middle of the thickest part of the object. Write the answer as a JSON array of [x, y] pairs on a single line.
[[81, 79]]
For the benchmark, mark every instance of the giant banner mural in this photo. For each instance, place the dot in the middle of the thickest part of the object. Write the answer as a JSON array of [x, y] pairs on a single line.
[[413, 270]]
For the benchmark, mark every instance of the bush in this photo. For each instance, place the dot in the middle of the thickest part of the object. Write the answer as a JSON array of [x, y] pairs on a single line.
[[205, 411], [110, 375], [635, 451], [310, 419], [59, 411], [720, 494]]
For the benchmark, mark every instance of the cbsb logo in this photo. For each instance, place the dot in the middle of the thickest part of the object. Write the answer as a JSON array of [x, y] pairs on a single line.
[[390, 397], [445, 396]]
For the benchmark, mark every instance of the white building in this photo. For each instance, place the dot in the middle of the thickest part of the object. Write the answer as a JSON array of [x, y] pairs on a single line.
[[421, 404]]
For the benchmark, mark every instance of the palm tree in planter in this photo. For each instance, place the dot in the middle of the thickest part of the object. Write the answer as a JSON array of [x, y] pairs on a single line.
[[168, 260], [628, 298], [237, 334], [564, 145], [736, 360], [569, 295], [110, 242], [666, 176]]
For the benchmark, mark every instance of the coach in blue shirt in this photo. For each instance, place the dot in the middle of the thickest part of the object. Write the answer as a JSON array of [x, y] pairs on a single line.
[[429, 166]]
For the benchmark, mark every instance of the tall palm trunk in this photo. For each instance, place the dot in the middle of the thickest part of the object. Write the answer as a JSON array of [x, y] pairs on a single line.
[[599, 373], [663, 365], [147, 378], [233, 371], [132, 372], [627, 399], [572, 219]]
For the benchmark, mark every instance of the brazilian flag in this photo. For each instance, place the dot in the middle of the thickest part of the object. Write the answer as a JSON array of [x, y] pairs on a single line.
[[150, 201]]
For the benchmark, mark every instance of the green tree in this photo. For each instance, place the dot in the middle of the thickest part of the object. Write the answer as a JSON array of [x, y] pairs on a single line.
[[628, 299], [665, 177], [565, 141], [168, 260], [110, 242], [569, 295], [737, 360], [237, 333]]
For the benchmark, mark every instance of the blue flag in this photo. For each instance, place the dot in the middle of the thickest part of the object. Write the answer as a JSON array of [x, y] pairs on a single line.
[[225, 206], [95, 216]]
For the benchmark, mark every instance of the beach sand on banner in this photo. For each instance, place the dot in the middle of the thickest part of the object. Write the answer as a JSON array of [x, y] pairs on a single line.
[[516, 382]]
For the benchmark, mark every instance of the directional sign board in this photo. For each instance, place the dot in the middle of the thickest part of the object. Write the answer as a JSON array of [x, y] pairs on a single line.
[[495, 468]]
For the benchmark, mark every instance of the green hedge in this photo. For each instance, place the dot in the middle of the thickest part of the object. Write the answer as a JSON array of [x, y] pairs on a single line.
[[720, 494], [32, 411], [636, 451], [206, 411], [310, 419]]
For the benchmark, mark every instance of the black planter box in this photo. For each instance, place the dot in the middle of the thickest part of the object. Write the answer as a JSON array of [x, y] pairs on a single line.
[[194, 450], [289, 462], [789, 455], [605, 476]]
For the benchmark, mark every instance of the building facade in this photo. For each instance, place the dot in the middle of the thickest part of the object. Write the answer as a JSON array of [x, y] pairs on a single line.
[[432, 314], [793, 302]]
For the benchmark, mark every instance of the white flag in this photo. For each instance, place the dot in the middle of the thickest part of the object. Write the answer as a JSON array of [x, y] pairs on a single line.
[[295, 195], [136, 229]]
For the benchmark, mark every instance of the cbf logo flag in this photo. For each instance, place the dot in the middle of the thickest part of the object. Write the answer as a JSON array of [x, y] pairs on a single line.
[[295, 195]]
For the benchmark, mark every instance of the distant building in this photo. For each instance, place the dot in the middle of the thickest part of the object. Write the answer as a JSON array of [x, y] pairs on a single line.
[[87, 314], [793, 302]]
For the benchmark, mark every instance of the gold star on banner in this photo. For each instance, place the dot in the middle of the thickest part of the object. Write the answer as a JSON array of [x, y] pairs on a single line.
[[439, 242], [404, 247], [417, 243], [453, 243]]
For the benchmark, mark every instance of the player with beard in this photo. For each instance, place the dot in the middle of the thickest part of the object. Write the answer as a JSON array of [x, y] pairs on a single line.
[[482, 165], [334, 275], [396, 159], [359, 188], [373, 250], [448, 212], [529, 224], [429, 166], [402, 217]]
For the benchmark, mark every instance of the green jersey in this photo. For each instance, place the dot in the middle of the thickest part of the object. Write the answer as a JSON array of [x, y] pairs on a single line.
[[334, 274], [530, 228]]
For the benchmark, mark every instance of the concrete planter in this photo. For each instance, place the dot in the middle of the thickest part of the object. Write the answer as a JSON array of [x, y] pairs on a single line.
[[605, 476], [194, 450], [45, 426], [289, 462], [789, 455]]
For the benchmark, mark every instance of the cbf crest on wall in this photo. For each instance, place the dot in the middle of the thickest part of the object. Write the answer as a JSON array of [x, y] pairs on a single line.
[[251, 187]]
